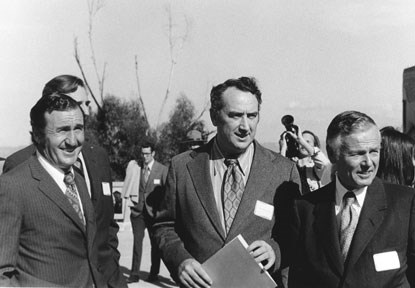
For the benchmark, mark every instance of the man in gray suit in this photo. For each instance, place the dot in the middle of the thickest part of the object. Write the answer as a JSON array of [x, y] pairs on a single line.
[[46, 215], [227, 187], [151, 189]]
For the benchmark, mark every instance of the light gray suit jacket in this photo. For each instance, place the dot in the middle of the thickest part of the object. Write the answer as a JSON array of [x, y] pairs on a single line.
[[42, 240], [188, 225]]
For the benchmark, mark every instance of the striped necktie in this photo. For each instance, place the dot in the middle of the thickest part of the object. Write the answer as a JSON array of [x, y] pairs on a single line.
[[233, 188], [348, 223], [72, 195]]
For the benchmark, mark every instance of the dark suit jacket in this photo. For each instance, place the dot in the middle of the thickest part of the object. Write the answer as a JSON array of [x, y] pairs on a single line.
[[386, 223], [188, 224], [99, 171], [42, 240], [153, 192]]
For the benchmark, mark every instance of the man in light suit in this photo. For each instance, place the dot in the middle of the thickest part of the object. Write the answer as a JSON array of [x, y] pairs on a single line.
[[47, 223], [193, 224], [356, 231], [151, 189], [97, 173]]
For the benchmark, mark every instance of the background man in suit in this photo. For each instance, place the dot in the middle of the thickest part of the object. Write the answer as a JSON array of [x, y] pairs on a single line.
[[195, 220], [151, 189], [47, 220], [356, 231], [96, 170]]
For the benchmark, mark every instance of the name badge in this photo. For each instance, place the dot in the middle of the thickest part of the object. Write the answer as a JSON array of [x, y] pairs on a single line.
[[157, 182], [386, 261], [264, 210], [106, 189]]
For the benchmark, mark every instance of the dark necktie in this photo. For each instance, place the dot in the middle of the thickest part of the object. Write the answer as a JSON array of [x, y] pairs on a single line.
[[233, 188], [146, 174], [348, 223], [79, 167], [72, 194]]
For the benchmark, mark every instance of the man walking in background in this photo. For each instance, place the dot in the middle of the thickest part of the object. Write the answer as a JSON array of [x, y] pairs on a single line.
[[227, 187], [93, 164], [151, 189]]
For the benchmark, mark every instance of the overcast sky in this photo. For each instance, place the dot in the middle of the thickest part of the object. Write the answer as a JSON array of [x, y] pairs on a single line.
[[313, 59]]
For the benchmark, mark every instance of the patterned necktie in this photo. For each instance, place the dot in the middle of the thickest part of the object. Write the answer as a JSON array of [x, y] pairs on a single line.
[[72, 194], [348, 223], [146, 174], [233, 188], [79, 167]]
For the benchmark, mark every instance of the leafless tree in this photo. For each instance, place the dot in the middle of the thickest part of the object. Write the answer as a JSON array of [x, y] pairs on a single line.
[[78, 61], [176, 42], [140, 97], [93, 7]]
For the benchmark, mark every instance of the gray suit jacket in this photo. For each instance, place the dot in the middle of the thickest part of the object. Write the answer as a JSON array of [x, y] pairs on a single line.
[[153, 192], [188, 225], [386, 224], [99, 171], [42, 240]]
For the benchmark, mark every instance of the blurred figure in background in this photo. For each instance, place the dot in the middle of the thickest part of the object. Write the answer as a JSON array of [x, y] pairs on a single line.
[[397, 157], [311, 161], [152, 178]]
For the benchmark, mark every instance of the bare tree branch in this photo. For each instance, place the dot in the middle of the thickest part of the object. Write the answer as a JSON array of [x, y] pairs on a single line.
[[78, 61], [93, 7], [205, 107], [175, 43], [140, 98]]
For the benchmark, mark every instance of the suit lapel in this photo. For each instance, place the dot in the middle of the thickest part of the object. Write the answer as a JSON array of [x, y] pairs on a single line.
[[152, 176], [87, 207], [261, 173], [326, 227], [371, 217], [49, 187], [91, 168], [200, 173]]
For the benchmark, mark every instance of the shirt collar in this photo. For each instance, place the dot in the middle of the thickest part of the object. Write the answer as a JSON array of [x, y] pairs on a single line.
[[341, 190], [150, 165], [243, 159], [54, 172]]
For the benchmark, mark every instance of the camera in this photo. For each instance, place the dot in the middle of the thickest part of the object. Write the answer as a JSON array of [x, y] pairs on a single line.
[[292, 145]]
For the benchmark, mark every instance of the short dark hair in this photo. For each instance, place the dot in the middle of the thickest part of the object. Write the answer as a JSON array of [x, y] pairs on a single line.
[[63, 84], [396, 157], [48, 104], [316, 139], [148, 144], [246, 84], [344, 124]]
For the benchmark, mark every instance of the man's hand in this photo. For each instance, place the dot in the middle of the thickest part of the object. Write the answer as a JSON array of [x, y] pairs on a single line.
[[262, 251], [191, 274]]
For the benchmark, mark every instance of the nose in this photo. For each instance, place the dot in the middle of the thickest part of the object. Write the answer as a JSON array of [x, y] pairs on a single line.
[[243, 125], [71, 139], [367, 160]]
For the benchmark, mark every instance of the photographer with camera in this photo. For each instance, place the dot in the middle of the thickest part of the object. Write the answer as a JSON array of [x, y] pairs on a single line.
[[303, 147]]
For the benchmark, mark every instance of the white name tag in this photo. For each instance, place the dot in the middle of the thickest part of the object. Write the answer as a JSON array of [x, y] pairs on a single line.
[[106, 188], [264, 210], [386, 261], [157, 182]]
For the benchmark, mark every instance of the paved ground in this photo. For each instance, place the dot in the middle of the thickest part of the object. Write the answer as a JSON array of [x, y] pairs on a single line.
[[125, 237]]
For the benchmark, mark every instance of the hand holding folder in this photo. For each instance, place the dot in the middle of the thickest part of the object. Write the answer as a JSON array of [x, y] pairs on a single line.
[[234, 267]]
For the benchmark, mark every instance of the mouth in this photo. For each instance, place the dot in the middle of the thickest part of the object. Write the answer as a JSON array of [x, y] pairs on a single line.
[[365, 174]]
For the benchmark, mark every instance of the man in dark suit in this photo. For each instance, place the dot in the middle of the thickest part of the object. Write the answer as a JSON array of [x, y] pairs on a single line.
[[356, 231], [47, 219], [97, 173], [151, 189], [227, 187]]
